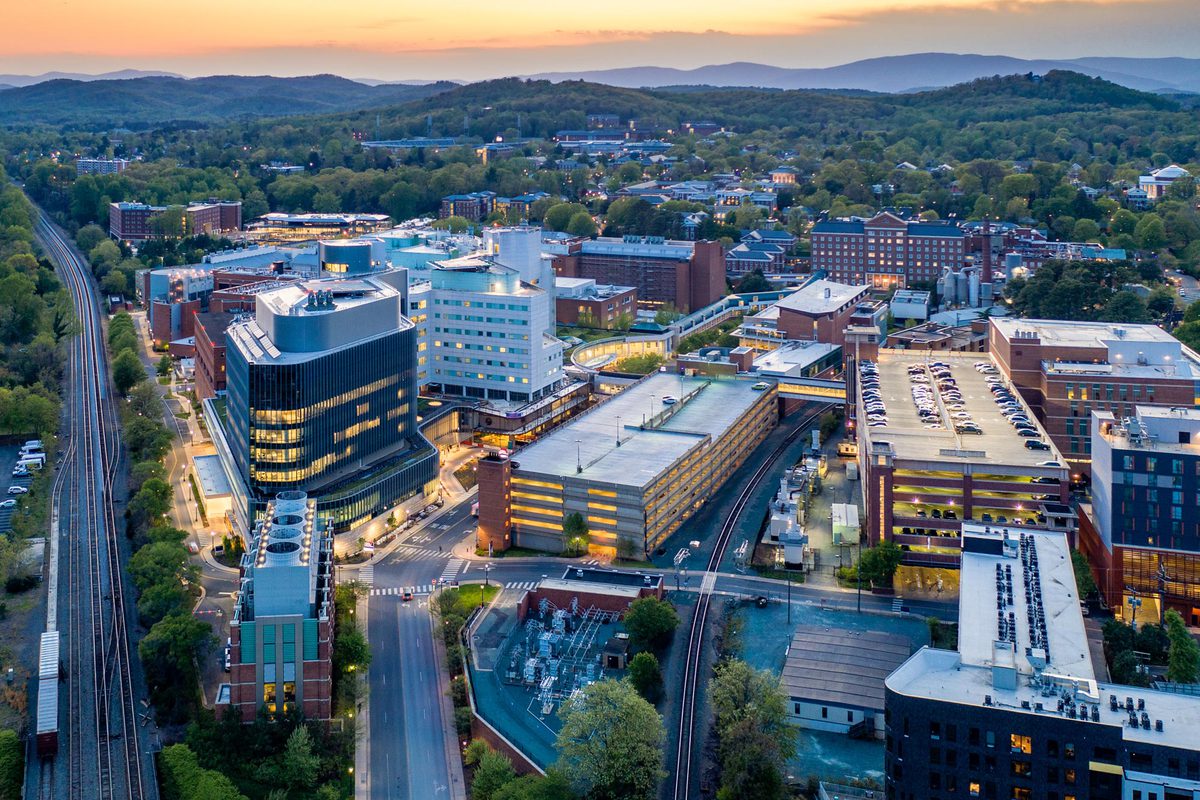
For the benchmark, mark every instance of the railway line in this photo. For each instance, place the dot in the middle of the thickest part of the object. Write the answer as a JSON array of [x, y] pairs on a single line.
[[685, 752], [104, 755]]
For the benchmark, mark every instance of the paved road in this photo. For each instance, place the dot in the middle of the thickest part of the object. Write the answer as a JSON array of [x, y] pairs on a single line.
[[406, 760]]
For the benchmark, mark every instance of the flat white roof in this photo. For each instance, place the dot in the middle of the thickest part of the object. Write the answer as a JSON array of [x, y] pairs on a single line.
[[793, 357], [706, 409], [820, 297], [1066, 687], [1052, 590], [1080, 334]]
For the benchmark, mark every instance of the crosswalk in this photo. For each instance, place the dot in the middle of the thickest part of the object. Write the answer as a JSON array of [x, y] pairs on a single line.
[[592, 562], [451, 571], [395, 591], [897, 604], [521, 585], [366, 574]]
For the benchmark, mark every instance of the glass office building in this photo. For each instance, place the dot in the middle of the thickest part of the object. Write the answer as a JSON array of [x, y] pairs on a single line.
[[322, 391]]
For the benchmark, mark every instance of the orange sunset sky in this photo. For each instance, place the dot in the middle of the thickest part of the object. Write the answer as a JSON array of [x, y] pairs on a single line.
[[471, 39]]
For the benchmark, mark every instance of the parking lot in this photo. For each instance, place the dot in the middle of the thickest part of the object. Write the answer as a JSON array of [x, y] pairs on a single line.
[[982, 425], [8, 459]]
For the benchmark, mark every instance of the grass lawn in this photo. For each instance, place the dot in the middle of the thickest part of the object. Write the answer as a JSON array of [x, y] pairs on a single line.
[[467, 596]]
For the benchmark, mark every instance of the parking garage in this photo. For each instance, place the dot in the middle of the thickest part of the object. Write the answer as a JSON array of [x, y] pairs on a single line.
[[943, 439]]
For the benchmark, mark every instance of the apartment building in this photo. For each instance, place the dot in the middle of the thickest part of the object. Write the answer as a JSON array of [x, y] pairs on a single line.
[[1018, 712], [582, 301], [1142, 528], [819, 311], [886, 252], [100, 166], [474, 206]]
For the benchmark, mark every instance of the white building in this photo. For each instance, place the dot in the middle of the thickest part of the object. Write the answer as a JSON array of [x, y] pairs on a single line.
[[485, 333]]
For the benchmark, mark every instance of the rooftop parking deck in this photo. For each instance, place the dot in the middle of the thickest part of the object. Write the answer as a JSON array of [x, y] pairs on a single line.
[[913, 439]]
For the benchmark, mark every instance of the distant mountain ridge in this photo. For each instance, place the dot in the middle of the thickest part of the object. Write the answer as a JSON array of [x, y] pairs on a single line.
[[905, 73], [160, 100], [11, 81]]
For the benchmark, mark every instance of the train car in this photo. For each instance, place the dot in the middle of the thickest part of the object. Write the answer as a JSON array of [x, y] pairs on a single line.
[[47, 698]]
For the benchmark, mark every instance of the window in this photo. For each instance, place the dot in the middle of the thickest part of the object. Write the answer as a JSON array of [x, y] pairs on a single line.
[[1069, 750], [1069, 776], [991, 739], [1022, 768], [1021, 744]]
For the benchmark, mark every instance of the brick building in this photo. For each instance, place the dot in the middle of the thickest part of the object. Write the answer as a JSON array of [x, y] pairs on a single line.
[[281, 634], [820, 311], [209, 330], [600, 306], [886, 251], [1067, 370], [686, 275], [474, 206], [214, 217]]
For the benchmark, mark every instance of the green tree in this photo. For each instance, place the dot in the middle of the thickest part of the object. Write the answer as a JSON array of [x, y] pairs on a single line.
[[878, 564], [493, 772], [753, 282], [1125, 306], [1085, 230], [300, 763], [581, 224], [575, 533], [1183, 658], [1085, 582], [151, 503], [12, 765], [163, 367], [1151, 233], [751, 721], [639, 365], [551, 786], [1123, 221], [89, 236], [170, 653], [610, 745], [667, 314], [651, 622], [559, 216], [1162, 300], [127, 371], [646, 676], [159, 562]]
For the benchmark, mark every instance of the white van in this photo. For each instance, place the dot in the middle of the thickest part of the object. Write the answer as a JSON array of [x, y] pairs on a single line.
[[33, 444], [31, 463], [39, 457]]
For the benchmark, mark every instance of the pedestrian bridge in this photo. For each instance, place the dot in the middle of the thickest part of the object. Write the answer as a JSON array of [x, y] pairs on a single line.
[[819, 389]]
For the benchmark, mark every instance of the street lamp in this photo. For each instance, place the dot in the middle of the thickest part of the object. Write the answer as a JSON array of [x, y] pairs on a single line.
[[618, 431], [578, 456], [487, 568]]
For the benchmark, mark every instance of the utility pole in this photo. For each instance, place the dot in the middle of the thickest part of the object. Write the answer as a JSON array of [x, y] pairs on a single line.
[[858, 575]]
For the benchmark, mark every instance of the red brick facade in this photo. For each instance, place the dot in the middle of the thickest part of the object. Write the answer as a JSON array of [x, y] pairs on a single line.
[[688, 284], [494, 479]]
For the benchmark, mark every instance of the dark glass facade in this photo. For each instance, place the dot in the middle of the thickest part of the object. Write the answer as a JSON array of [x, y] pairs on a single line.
[[936, 750], [340, 425]]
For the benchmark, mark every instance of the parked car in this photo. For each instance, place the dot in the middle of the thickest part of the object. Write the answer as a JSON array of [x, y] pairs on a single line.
[[17, 490]]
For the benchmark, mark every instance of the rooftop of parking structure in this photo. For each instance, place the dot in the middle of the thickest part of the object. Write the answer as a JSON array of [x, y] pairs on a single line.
[[911, 440]]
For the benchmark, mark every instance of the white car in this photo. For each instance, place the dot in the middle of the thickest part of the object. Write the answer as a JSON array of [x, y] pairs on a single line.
[[669, 400], [8, 503], [17, 490]]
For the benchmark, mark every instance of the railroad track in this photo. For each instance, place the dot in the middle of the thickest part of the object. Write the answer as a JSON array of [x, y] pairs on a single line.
[[693, 666], [102, 710]]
